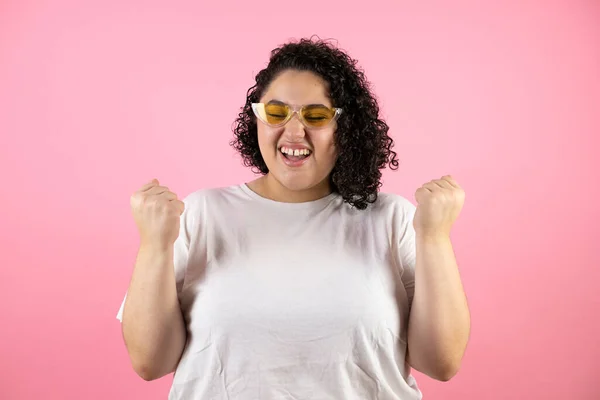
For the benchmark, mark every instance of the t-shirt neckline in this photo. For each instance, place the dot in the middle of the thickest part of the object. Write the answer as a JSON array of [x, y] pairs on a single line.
[[303, 205]]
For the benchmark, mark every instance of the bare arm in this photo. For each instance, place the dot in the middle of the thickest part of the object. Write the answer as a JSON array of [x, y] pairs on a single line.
[[153, 327], [439, 323]]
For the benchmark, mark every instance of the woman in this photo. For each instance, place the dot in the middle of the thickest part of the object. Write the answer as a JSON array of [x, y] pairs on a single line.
[[305, 283]]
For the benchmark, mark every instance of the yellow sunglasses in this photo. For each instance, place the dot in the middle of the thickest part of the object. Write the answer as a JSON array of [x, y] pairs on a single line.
[[312, 116]]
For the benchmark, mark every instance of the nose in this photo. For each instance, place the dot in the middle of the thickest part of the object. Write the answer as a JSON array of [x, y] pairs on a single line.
[[294, 129]]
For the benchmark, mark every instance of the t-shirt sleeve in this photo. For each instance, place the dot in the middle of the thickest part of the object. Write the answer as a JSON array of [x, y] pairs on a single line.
[[407, 253], [180, 254]]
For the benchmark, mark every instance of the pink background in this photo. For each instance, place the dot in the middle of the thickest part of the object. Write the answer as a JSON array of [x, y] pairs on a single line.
[[98, 97]]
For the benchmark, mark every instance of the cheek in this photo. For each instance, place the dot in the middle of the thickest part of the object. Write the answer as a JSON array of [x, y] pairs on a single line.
[[267, 138], [327, 149]]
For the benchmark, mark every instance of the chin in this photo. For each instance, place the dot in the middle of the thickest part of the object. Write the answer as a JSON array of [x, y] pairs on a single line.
[[298, 184], [298, 181]]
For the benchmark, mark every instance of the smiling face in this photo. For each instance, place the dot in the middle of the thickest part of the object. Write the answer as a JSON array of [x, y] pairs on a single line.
[[299, 159]]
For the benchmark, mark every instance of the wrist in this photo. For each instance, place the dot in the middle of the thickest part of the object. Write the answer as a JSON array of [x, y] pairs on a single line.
[[156, 248], [433, 237]]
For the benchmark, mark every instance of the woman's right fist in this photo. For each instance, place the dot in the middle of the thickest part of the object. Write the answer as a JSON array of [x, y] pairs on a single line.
[[157, 212]]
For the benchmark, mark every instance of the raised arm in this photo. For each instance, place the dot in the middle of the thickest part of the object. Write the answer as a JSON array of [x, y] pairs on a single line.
[[439, 322], [152, 323]]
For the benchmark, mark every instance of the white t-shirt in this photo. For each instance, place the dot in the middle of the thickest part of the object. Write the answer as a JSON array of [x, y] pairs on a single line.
[[294, 300]]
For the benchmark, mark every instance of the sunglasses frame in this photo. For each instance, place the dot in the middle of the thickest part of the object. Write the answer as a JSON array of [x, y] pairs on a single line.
[[295, 110]]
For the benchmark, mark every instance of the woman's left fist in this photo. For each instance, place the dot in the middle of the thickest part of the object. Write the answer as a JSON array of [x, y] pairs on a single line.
[[439, 203]]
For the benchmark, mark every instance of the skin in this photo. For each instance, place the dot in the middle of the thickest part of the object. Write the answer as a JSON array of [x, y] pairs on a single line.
[[153, 326], [440, 322], [310, 181]]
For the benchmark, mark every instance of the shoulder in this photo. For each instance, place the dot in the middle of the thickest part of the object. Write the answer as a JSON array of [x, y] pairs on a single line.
[[393, 211], [399, 215], [202, 203], [388, 210], [200, 199], [394, 203]]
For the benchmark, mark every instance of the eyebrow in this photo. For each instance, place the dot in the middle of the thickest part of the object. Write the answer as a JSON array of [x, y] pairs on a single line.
[[275, 101]]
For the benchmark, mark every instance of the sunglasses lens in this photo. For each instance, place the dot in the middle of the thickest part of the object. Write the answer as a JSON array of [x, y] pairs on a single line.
[[317, 116], [275, 114]]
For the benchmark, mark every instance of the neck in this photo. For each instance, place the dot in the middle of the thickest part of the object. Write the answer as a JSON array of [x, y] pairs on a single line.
[[267, 186]]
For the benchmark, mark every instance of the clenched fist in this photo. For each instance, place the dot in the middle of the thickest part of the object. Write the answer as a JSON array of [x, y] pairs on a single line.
[[156, 211], [439, 203]]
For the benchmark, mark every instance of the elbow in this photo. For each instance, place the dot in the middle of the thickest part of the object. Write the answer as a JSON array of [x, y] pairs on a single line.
[[445, 372], [148, 363], [442, 372], [436, 366], [146, 371]]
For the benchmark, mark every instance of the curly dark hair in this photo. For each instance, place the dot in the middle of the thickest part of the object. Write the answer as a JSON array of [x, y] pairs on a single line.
[[361, 138]]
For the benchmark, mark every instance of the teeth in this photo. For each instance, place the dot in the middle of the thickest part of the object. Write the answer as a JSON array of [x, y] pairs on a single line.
[[296, 152]]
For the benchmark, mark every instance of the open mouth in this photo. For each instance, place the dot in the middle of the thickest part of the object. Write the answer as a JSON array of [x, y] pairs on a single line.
[[295, 155]]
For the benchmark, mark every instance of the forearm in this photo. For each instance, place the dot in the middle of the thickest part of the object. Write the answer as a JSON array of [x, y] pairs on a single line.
[[153, 326], [439, 323]]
